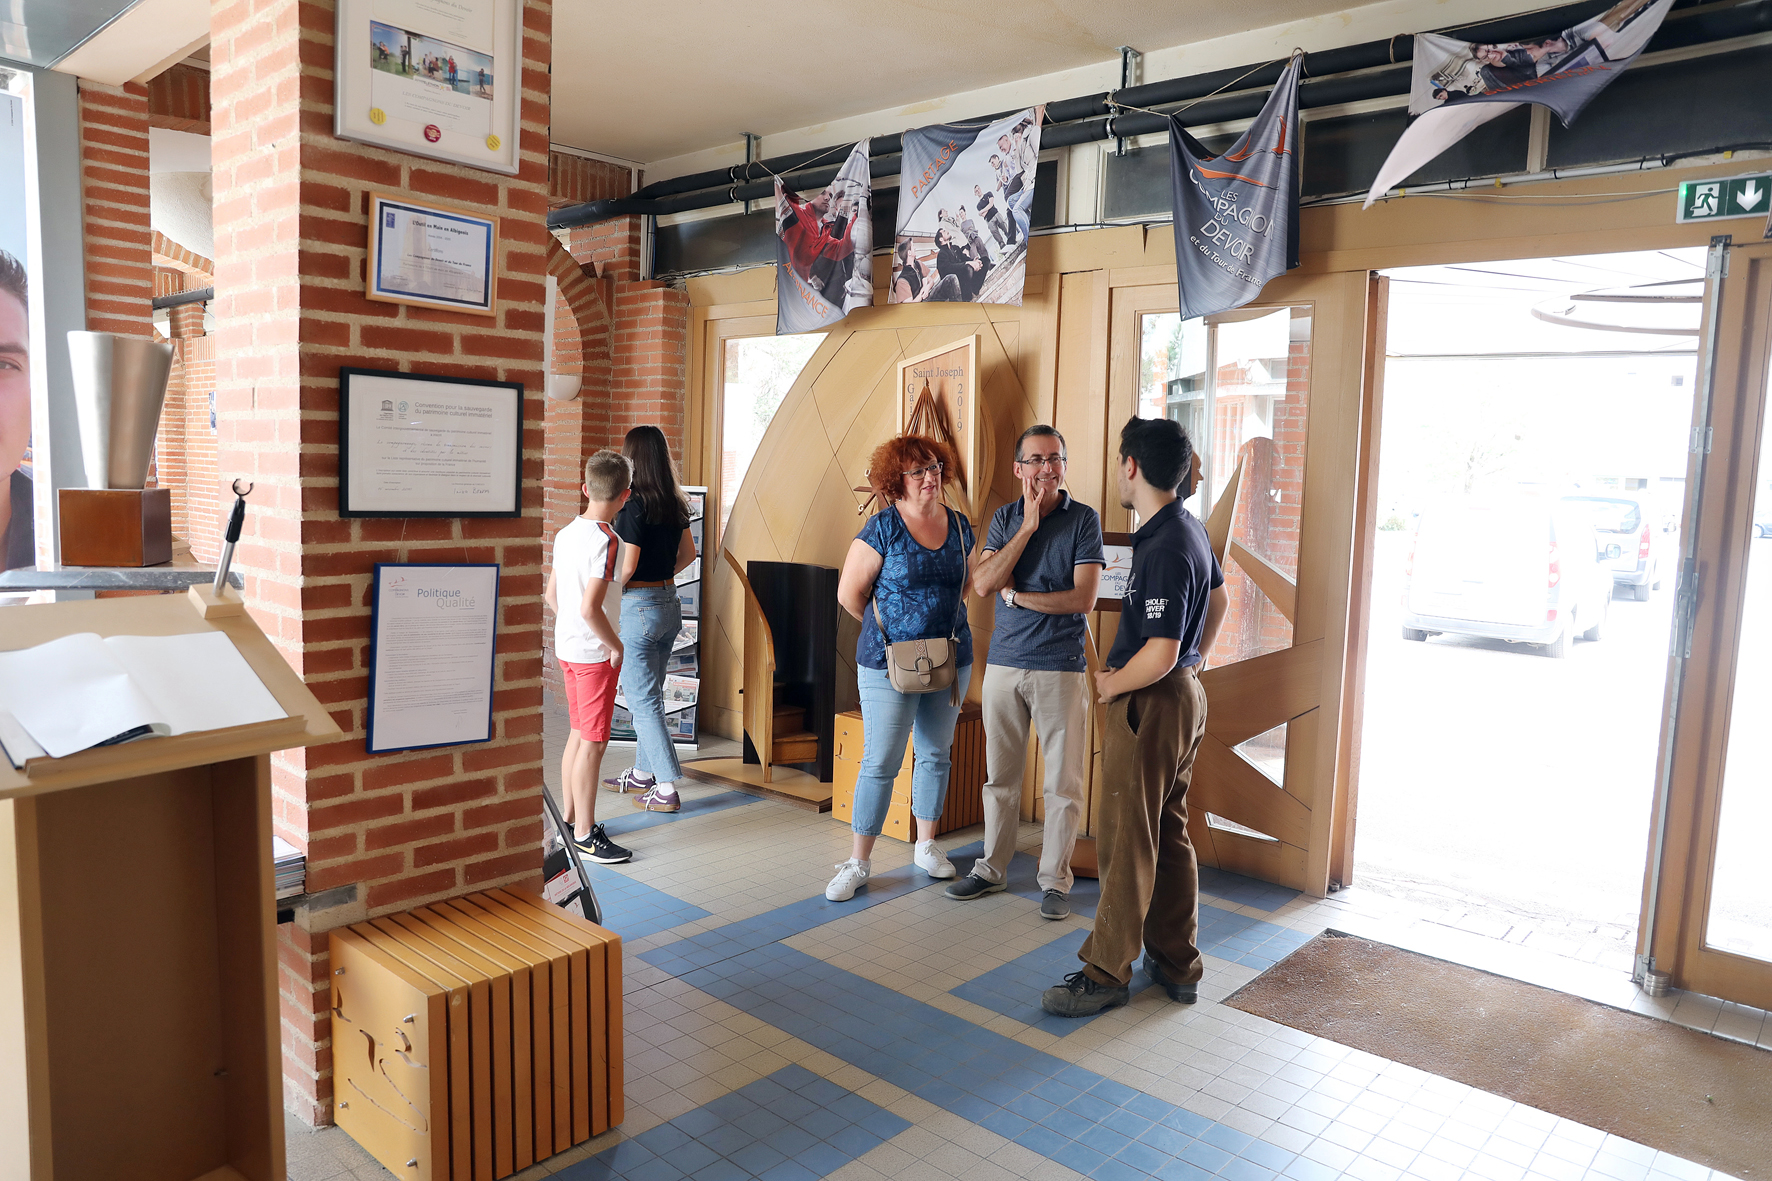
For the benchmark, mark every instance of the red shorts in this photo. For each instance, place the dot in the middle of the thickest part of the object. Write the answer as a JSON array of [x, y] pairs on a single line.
[[590, 697]]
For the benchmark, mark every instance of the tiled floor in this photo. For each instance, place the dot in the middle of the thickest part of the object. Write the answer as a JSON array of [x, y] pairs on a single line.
[[773, 1034]]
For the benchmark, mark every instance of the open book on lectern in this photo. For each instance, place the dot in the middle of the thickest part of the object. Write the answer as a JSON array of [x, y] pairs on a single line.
[[86, 690]]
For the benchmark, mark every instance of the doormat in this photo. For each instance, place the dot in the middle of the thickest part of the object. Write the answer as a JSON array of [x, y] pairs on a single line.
[[1674, 1089]]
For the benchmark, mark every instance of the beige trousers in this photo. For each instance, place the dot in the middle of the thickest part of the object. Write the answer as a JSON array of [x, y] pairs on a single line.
[[1054, 703]]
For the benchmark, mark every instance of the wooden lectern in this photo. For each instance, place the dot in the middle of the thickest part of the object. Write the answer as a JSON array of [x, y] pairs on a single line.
[[138, 971]]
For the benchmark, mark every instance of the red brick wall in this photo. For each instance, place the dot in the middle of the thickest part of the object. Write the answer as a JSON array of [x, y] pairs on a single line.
[[114, 208], [291, 234], [573, 180], [178, 99]]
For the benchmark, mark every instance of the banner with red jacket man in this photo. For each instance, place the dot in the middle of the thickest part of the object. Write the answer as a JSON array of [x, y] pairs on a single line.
[[824, 249]]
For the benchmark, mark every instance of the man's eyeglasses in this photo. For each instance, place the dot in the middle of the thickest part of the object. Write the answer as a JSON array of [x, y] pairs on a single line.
[[1042, 461], [933, 469]]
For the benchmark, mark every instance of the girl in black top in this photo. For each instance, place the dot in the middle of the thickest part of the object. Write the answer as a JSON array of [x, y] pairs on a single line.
[[655, 524]]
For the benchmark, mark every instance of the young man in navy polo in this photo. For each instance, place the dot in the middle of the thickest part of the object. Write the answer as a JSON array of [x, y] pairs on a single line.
[[1174, 604], [1043, 560]]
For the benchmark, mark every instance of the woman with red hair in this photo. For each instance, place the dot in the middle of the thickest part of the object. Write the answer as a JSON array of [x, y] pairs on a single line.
[[907, 570]]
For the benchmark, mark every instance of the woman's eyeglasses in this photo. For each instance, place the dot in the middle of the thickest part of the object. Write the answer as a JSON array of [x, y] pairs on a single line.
[[921, 473]]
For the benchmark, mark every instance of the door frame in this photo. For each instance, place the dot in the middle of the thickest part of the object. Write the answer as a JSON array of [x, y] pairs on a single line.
[[1676, 898]]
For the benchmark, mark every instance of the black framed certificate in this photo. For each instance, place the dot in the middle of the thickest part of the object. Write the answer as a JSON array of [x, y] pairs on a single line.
[[433, 639], [412, 445]]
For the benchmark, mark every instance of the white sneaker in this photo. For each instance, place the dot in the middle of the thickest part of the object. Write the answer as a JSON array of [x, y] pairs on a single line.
[[851, 875], [932, 861]]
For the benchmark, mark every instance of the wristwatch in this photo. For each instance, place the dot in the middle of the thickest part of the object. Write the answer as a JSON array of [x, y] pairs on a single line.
[[1010, 598]]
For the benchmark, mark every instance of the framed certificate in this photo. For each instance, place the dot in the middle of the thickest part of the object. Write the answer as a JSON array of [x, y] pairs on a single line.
[[411, 445], [443, 80], [432, 636], [432, 255]]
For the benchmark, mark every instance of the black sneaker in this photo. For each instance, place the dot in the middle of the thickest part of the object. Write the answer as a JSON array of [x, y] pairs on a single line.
[[1079, 996], [599, 848], [973, 886], [1054, 905], [1187, 994]]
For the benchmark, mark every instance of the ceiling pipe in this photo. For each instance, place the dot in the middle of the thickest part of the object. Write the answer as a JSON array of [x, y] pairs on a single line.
[[1374, 69], [179, 299]]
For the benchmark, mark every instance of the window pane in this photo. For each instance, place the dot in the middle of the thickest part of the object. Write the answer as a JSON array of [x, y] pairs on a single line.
[[759, 372]]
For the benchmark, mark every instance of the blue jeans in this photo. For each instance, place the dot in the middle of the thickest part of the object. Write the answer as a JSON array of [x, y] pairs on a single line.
[[651, 617], [888, 717]]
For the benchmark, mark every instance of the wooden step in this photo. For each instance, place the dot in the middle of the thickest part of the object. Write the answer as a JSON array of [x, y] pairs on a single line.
[[789, 719], [800, 747]]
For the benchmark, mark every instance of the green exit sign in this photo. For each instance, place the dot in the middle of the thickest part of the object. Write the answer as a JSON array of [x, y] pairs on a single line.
[[1714, 200]]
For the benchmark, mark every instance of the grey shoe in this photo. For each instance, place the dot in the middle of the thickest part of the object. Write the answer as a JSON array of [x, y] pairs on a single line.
[[1054, 905], [1079, 996], [1186, 994], [972, 886]]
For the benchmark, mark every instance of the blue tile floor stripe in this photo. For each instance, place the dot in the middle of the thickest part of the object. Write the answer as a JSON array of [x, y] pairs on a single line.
[[1234, 887], [1109, 1130], [790, 1126], [633, 909], [618, 821]]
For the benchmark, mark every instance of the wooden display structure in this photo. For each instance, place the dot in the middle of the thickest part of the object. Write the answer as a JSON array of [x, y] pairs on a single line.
[[138, 971]]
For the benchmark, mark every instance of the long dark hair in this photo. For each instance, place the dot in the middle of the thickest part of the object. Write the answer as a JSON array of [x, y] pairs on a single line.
[[655, 480]]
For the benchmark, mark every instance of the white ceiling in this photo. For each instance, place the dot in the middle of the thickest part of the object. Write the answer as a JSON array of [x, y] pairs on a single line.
[[658, 80]]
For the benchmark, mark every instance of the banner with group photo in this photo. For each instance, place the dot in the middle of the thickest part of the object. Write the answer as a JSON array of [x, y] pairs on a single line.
[[1458, 86], [965, 195], [824, 264], [1236, 215]]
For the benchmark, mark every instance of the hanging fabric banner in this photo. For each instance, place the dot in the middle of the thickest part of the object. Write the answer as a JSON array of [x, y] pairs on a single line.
[[964, 200], [1458, 86], [1236, 215], [824, 265]]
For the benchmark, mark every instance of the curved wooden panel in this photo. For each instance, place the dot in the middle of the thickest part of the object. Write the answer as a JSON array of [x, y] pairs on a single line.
[[759, 670], [1255, 695]]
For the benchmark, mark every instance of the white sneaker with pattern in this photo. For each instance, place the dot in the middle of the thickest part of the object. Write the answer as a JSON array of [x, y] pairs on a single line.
[[932, 861], [851, 875]]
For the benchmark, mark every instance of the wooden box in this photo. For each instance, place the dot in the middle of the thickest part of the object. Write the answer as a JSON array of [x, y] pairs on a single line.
[[140, 1034], [475, 1037], [116, 526], [965, 800]]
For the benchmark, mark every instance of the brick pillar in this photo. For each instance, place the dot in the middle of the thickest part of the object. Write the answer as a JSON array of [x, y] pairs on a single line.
[[114, 199], [381, 833]]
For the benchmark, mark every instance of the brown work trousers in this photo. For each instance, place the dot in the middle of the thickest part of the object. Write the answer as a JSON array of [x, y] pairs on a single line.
[[1150, 877]]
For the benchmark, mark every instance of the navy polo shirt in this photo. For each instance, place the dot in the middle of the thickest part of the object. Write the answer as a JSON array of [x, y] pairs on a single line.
[[1174, 572], [1069, 536]]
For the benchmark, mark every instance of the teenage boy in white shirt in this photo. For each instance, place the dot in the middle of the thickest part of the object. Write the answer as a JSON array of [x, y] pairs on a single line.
[[587, 642]]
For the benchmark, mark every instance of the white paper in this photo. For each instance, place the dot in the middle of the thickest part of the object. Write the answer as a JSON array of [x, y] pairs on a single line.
[[430, 447], [80, 690], [435, 631], [1116, 573], [200, 681]]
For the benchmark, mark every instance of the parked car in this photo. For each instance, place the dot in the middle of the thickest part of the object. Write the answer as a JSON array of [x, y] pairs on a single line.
[[1763, 520], [1632, 545], [1524, 570]]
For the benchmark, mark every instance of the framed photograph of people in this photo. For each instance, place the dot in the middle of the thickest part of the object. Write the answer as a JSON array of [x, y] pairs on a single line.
[[412, 445], [437, 80], [432, 255]]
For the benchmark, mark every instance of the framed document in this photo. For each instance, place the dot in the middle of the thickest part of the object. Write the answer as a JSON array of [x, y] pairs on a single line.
[[432, 634], [410, 445], [443, 80], [432, 255], [949, 376]]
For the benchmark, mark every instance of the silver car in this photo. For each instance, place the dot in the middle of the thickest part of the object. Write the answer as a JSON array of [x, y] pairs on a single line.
[[1525, 569], [1631, 545]]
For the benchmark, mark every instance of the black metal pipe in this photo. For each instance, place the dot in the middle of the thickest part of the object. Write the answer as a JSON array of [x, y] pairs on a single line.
[[179, 299], [1085, 119]]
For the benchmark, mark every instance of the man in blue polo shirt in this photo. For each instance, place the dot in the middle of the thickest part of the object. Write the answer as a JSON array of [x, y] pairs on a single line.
[[1174, 604], [1043, 558]]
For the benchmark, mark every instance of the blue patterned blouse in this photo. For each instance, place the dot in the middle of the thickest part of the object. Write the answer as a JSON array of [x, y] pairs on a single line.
[[921, 591]]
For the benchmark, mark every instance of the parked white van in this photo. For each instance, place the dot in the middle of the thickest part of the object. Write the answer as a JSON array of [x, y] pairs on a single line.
[[1523, 569]]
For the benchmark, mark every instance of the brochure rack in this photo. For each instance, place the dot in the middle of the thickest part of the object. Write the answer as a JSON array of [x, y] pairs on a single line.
[[139, 1028]]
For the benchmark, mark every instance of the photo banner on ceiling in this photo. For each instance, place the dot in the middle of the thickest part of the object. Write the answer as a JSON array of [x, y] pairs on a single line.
[[1457, 86], [824, 247], [1236, 215], [964, 195]]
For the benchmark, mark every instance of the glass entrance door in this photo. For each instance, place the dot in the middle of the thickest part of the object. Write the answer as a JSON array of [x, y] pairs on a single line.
[[1707, 917]]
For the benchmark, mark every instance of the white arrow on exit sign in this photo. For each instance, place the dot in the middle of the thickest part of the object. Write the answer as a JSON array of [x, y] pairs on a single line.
[[1748, 196]]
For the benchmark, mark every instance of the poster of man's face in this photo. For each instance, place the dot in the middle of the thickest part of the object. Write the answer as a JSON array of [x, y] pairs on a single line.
[[17, 543]]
